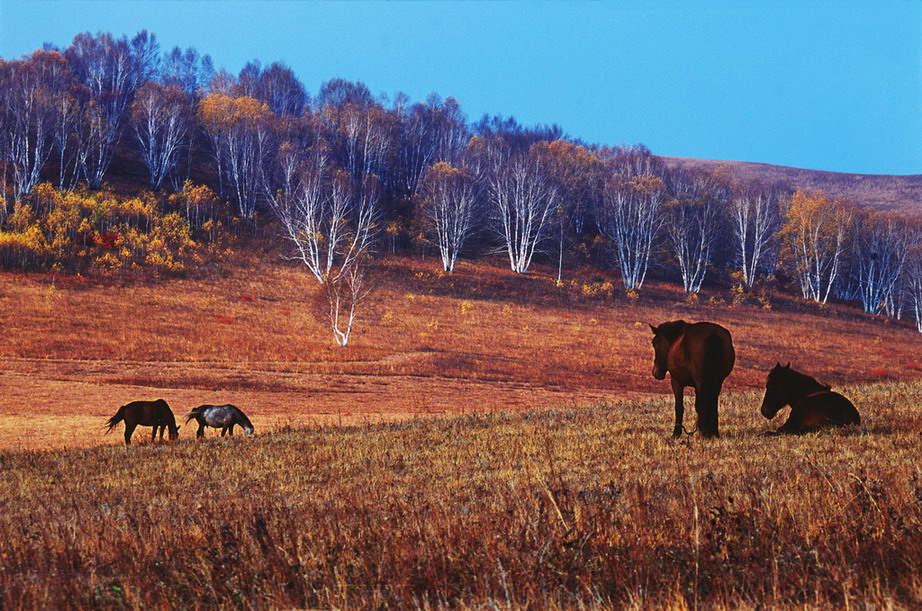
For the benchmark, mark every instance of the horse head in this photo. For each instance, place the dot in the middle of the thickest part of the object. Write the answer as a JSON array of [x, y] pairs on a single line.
[[775, 390], [664, 336], [174, 432]]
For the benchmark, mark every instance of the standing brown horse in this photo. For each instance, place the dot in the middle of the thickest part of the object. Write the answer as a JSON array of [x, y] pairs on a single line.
[[699, 355], [156, 414], [813, 405]]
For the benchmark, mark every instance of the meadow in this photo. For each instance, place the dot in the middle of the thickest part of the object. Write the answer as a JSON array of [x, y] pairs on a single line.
[[486, 439], [581, 506], [483, 339]]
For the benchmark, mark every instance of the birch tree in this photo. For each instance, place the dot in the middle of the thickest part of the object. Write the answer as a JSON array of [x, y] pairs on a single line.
[[629, 214], [449, 204], [755, 216], [912, 281], [694, 222], [112, 70], [161, 119], [815, 237], [523, 201], [240, 133], [331, 228], [883, 241], [27, 97]]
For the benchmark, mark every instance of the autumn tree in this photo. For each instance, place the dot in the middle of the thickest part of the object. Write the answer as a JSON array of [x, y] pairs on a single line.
[[428, 133], [814, 239], [756, 217], [276, 86], [577, 174], [629, 213], [331, 227], [240, 132]]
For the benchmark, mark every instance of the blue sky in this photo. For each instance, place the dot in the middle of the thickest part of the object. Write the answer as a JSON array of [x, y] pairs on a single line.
[[832, 86]]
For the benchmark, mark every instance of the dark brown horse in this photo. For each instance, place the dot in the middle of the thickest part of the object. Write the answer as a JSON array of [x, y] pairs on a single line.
[[813, 405], [699, 355], [156, 414]]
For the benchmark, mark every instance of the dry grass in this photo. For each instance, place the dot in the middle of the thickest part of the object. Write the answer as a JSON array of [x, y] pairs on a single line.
[[480, 340], [558, 508]]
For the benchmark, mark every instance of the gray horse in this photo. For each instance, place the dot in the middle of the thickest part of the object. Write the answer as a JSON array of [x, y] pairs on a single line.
[[222, 417]]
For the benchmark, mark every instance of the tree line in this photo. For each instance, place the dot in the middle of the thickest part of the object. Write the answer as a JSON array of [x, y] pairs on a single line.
[[345, 173]]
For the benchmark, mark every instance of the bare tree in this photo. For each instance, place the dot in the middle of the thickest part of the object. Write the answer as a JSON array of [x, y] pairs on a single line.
[[187, 70], [345, 291], [523, 200], [882, 243], [912, 282], [112, 70], [694, 223], [331, 226], [755, 215], [161, 118], [27, 90], [629, 213], [449, 203]]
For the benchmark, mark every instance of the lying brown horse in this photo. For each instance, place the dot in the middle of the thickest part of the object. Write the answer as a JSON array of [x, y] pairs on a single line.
[[813, 405], [699, 355], [156, 414]]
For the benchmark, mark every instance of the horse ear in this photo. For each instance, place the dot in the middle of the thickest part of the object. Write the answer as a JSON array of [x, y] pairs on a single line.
[[652, 328], [788, 366]]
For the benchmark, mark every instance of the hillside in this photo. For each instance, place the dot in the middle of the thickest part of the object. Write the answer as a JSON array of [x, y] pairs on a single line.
[[481, 340], [897, 193]]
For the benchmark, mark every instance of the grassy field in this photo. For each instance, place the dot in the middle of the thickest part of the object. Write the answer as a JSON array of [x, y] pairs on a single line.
[[74, 349], [593, 506]]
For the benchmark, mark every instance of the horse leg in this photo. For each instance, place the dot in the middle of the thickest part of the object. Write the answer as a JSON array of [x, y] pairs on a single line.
[[679, 391], [201, 430], [230, 430], [706, 406], [223, 431], [795, 423], [129, 429]]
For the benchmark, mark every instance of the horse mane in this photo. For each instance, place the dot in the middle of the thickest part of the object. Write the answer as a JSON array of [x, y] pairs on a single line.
[[803, 381], [243, 417], [672, 330]]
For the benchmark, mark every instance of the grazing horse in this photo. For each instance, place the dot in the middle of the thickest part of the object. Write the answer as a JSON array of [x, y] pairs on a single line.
[[156, 414], [699, 355], [222, 417], [813, 405]]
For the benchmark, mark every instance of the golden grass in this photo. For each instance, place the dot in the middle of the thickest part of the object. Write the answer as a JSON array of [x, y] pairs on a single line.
[[593, 506]]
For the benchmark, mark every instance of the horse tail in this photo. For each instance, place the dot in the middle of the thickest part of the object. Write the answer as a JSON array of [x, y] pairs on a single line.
[[118, 417], [713, 359], [711, 380], [194, 413]]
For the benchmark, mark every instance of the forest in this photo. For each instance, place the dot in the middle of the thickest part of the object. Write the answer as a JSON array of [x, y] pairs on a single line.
[[345, 175]]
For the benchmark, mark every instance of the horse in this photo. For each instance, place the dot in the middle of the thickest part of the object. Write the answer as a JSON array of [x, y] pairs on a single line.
[[813, 405], [156, 414], [222, 417], [699, 355]]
